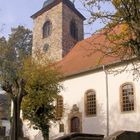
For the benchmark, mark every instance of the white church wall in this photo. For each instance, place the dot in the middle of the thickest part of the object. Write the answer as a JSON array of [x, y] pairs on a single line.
[[30, 132], [74, 90], [73, 93], [54, 130], [123, 120]]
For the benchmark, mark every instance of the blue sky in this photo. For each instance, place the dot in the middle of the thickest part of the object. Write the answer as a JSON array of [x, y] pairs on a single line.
[[18, 12]]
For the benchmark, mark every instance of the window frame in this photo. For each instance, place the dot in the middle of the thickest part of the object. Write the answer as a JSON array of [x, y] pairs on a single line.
[[46, 47], [74, 30], [58, 105], [61, 128], [85, 103], [121, 97], [44, 34]]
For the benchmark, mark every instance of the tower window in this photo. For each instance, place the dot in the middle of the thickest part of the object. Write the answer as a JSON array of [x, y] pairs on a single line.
[[46, 47], [90, 103], [47, 27], [59, 107], [127, 97], [74, 30]]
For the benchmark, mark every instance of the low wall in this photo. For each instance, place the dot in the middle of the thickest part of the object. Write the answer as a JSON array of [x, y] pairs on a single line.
[[124, 135], [4, 138], [7, 138], [81, 136]]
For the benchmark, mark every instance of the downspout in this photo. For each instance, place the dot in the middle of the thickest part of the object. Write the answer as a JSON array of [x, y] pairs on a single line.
[[107, 102]]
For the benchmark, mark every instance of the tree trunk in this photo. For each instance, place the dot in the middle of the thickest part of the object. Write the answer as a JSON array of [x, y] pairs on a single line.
[[16, 129], [14, 121], [45, 132], [46, 137]]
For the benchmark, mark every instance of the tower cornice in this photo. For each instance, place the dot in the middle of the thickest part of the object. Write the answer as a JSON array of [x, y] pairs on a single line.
[[56, 2]]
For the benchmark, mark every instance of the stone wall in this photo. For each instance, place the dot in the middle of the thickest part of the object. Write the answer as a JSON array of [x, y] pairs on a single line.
[[55, 39], [68, 41], [60, 40]]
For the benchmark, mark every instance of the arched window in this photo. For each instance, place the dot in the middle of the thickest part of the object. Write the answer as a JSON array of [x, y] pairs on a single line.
[[90, 103], [127, 97], [59, 107], [47, 28], [73, 30]]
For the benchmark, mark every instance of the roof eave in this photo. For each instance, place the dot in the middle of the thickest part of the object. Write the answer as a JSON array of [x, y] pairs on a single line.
[[74, 9], [99, 67], [45, 9]]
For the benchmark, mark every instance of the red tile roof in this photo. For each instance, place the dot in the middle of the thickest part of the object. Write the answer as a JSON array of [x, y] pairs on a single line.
[[87, 54]]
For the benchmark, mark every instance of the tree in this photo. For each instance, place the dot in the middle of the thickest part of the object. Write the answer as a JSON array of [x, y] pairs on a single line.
[[121, 12], [42, 86], [32, 77], [12, 55]]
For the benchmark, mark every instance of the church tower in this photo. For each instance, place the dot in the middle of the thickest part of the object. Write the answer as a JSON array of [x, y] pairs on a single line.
[[58, 26]]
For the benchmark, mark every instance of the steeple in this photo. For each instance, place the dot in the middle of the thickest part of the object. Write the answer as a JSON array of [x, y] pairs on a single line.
[[58, 26]]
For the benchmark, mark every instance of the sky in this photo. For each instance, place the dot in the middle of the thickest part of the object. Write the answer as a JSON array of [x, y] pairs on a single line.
[[18, 12]]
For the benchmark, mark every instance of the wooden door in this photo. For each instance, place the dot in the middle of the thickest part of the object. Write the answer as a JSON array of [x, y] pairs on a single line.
[[75, 124]]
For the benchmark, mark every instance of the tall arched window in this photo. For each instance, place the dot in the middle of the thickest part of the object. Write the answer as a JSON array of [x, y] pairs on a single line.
[[59, 107], [127, 97], [47, 28], [90, 103], [73, 30]]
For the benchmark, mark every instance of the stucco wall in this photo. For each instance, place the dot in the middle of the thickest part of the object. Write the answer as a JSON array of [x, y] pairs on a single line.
[[30, 132], [6, 123], [120, 120], [73, 93], [74, 90]]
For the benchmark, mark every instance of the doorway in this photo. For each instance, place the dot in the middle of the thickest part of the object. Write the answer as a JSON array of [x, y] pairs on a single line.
[[75, 124]]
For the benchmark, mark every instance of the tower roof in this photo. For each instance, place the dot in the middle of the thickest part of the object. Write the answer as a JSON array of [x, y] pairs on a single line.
[[48, 4]]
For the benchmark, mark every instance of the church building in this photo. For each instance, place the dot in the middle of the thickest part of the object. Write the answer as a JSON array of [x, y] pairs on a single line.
[[94, 100]]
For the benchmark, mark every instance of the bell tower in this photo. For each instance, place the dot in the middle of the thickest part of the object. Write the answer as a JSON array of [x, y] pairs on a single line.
[[58, 26]]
